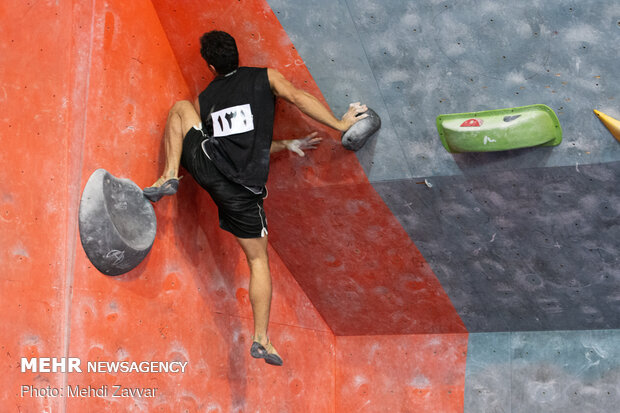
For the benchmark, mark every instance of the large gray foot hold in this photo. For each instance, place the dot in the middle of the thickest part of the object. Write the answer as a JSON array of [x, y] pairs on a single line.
[[361, 131], [117, 224]]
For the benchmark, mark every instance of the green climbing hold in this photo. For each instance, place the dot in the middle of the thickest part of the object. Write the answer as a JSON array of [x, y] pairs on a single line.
[[499, 129]]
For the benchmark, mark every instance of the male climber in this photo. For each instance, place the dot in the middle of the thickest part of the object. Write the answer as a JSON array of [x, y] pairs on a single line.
[[224, 140]]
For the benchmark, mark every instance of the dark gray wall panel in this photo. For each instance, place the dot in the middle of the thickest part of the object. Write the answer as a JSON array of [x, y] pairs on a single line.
[[529, 249]]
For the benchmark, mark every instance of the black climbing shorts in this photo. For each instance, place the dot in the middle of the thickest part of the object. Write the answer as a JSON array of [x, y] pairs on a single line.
[[240, 210]]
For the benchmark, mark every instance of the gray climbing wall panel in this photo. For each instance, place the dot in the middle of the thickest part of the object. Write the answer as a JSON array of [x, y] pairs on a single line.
[[564, 372], [412, 61], [528, 249]]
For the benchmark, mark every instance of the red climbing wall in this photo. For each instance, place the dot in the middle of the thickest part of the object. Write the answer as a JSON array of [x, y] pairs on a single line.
[[87, 86], [401, 373], [189, 300], [37, 111], [101, 100]]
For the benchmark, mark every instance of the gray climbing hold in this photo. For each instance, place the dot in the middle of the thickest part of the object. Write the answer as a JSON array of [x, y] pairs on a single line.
[[358, 134], [117, 224]]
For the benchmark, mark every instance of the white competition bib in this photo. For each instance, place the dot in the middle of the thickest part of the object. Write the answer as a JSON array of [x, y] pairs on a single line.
[[231, 121]]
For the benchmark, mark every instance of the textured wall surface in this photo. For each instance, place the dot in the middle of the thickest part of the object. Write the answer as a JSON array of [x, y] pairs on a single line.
[[400, 373], [378, 277], [37, 117], [521, 250], [552, 371]]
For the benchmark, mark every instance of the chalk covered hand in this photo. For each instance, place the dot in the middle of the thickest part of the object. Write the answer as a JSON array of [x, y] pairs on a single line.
[[354, 114], [300, 145]]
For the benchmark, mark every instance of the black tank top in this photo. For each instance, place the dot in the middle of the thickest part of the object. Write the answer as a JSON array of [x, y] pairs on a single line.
[[238, 111]]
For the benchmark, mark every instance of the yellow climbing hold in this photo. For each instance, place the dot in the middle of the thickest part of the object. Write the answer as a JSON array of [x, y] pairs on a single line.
[[610, 123]]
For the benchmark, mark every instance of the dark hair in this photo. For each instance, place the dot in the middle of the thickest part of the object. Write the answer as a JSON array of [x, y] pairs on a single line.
[[219, 50]]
